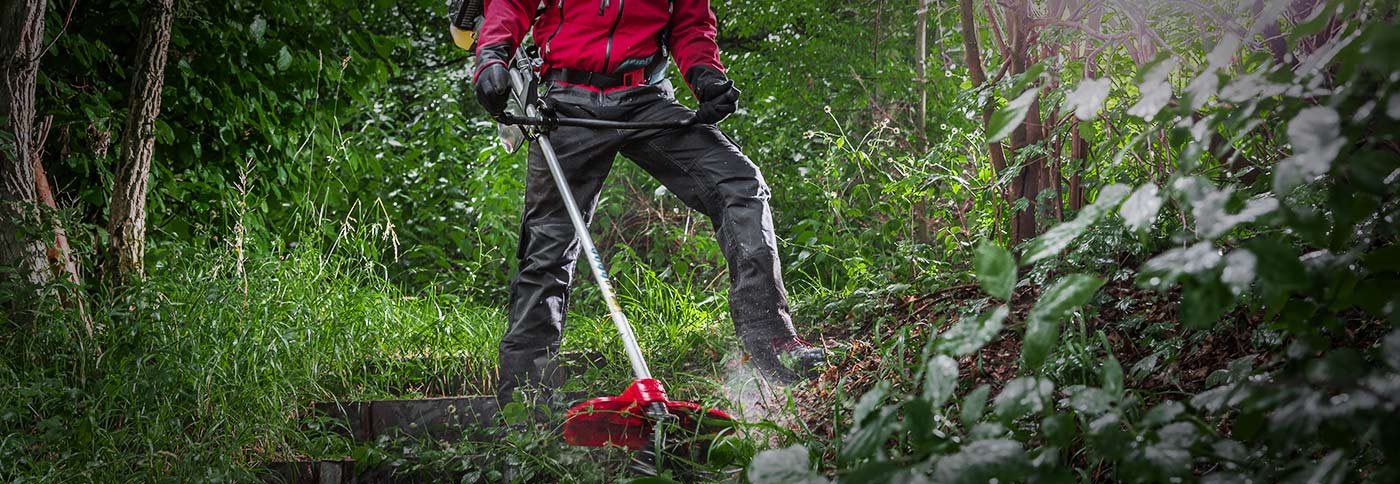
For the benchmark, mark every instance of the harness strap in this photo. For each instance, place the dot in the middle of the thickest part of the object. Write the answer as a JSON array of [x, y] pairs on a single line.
[[650, 73], [635, 77]]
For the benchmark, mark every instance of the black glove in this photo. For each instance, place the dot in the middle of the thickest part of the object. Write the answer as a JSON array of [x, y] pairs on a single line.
[[717, 95], [492, 79]]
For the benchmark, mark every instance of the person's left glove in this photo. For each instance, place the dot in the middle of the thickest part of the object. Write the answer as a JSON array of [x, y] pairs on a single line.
[[717, 95], [492, 79]]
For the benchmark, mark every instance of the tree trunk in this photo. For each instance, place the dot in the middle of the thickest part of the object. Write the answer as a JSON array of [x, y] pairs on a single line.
[[921, 69], [21, 44], [1079, 153], [1027, 183], [972, 55], [60, 254], [127, 224]]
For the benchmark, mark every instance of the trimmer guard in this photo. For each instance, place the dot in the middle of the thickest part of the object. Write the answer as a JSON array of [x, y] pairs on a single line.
[[622, 421]]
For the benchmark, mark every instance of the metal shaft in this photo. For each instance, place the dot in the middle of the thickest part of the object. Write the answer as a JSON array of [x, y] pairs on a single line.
[[595, 262], [590, 252]]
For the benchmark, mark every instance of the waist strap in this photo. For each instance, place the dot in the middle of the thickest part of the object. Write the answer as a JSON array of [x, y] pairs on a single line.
[[635, 77]]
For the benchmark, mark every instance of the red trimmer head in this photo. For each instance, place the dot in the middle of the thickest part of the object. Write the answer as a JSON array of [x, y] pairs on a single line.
[[627, 421]]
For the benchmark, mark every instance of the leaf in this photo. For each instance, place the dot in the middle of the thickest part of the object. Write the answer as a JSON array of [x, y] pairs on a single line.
[[1005, 120], [864, 440], [1315, 134], [1239, 270], [1168, 463], [1024, 395], [1332, 469], [1163, 413], [940, 378], [1202, 303], [1390, 350], [1043, 322], [1058, 429], [1087, 400], [1060, 236], [1167, 268], [284, 58], [1088, 98], [971, 333], [983, 461], [996, 270], [1155, 89], [1112, 380], [973, 405], [869, 402], [876, 472], [652, 480], [783, 466], [1141, 208], [919, 424], [258, 28]]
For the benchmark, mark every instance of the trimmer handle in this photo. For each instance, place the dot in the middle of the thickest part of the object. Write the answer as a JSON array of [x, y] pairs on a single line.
[[594, 123]]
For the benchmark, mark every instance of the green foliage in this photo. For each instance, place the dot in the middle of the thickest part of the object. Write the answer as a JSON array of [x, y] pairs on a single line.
[[1255, 200], [1043, 322], [1297, 256], [996, 270]]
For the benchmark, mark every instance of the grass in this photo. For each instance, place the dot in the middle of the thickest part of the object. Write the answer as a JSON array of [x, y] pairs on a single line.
[[200, 372]]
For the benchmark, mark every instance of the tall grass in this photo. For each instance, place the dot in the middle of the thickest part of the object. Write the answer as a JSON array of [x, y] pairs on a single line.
[[190, 373], [204, 371]]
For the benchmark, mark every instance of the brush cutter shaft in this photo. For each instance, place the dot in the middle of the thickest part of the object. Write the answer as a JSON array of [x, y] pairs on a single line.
[[522, 83], [595, 261]]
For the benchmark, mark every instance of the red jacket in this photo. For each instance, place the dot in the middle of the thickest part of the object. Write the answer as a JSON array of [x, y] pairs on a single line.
[[603, 35]]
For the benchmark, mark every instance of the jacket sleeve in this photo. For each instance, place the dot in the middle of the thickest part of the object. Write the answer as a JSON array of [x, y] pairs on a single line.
[[504, 25], [692, 40]]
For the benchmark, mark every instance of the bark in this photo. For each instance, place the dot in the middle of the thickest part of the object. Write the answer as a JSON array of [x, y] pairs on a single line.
[[1079, 153], [127, 222], [60, 254], [1079, 147], [1055, 172], [972, 55], [1027, 183], [21, 44]]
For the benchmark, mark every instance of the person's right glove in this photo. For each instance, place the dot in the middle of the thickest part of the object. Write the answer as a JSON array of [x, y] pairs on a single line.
[[492, 79], [717, 95]]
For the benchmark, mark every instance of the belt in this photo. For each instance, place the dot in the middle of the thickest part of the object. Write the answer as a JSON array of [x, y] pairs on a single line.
[[635, 77]]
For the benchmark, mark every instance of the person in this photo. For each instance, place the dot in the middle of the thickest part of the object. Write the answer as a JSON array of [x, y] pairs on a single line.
[[606, 59]]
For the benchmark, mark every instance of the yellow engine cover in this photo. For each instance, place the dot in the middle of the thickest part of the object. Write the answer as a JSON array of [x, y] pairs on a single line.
[[463, 38]]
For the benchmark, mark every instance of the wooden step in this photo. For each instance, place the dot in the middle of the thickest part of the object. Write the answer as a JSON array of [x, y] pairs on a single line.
[[445, 418]]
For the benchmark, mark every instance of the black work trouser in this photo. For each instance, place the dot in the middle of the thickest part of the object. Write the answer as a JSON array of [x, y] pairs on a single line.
[[699, 164]]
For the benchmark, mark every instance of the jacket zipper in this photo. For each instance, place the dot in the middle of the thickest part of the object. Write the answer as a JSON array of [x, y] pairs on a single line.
[[557, 28], [607, 53]]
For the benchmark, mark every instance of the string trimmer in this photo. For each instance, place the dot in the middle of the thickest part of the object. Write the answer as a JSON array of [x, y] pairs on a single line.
[[642, 418]]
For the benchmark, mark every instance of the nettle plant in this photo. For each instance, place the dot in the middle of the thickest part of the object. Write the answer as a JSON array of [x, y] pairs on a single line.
[[1286, 191]]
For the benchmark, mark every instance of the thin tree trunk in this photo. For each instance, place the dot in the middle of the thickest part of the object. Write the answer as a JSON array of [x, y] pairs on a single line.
[[127, 225], [1027, 183], [60, 254], [1079, 146], [1079, 153], [972, 56], [21, 44], [921, 67]]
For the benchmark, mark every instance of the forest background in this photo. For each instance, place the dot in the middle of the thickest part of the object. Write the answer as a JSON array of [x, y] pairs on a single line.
[[1062, 240]]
